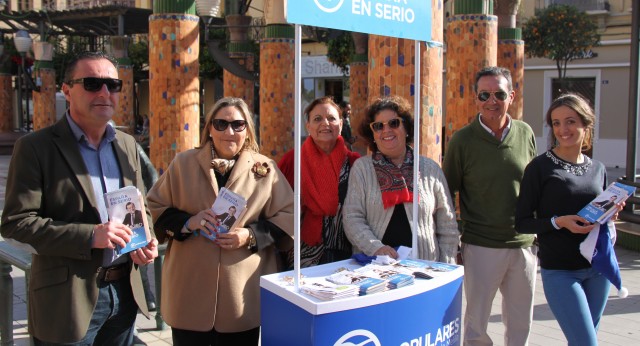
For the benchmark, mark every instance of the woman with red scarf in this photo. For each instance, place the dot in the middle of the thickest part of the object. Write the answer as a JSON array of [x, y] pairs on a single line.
[[378, 210], [325, 164]]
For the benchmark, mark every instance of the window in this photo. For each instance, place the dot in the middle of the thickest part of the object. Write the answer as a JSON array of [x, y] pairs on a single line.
[[584, 5]]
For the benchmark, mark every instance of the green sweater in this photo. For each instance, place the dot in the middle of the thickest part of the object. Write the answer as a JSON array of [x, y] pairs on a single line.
[[486, 173]]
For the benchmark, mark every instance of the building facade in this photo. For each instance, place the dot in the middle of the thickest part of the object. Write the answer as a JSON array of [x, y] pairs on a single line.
[[603, 77]]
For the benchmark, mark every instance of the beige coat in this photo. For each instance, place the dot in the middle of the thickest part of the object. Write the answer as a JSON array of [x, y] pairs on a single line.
[[204, 286]]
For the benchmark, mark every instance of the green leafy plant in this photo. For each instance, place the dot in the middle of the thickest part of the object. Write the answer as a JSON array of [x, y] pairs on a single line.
[[139, 55], [561, 33], [65, 48], [340, 49]]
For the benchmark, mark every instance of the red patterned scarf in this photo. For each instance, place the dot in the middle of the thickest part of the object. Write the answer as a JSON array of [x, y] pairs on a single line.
[[396, 183], [319, 184]]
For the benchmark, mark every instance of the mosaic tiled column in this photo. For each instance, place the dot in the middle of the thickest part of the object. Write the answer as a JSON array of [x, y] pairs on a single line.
[[44, 101], [124, 113], [358, 79], [238, 87], [511, 56], [472, 40], [240, 51], [391, 67], [6, 102], [174, 100], [431, 78], [277, 87]]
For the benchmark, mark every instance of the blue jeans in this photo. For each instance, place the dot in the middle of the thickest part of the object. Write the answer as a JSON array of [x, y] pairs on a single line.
[[113, 319], [577, 299]]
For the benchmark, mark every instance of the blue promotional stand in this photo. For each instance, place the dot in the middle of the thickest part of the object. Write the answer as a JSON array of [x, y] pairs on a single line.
[[427, 313]]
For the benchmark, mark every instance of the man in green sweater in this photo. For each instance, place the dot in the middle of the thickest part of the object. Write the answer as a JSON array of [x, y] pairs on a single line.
[[484, 164]]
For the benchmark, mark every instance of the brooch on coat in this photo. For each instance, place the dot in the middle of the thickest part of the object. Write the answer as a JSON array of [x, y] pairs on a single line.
[[260, 169]]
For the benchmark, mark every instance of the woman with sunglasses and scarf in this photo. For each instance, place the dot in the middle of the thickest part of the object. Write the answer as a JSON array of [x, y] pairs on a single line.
[[325, 165], [378, 210], [210, 289]]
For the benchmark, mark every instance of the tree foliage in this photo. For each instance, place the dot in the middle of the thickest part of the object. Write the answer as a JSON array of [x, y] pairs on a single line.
[[340, 49], [561, 33], [139, 55]]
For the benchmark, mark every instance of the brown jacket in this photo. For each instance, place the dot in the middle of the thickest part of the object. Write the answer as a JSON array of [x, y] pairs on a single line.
[[50, 205], [204, 286]]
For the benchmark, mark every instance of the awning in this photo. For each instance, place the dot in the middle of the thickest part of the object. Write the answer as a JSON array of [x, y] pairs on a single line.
[[108, 20]]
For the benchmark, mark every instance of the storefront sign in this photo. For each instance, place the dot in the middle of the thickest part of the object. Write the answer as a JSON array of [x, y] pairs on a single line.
[[319, 67]]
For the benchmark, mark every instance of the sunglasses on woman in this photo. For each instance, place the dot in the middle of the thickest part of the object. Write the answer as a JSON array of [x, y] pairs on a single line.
[[377, 126], [236, 125], [93, 84], [485, 95]]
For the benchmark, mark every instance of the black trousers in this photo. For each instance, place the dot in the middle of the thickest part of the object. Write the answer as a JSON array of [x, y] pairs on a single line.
[[183, 337]]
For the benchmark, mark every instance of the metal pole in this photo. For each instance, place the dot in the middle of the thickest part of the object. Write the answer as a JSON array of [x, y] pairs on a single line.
[[19, 80], [26, 93], [634, 95], [297, 125]]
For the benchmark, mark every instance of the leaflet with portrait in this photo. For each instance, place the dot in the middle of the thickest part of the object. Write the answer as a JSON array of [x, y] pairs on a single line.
[[228, 209], [603, 206], [126, 206]]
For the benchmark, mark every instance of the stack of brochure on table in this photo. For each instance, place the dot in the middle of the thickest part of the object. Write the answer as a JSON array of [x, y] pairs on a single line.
[[367, 285], [424, 269], [399, 280], [395, 277], [325, 290]]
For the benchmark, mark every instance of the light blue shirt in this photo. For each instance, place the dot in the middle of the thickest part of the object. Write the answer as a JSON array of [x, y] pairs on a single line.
[[104, 171]]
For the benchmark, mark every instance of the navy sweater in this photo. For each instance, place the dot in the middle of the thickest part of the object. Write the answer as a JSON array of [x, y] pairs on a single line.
[[549, 190]]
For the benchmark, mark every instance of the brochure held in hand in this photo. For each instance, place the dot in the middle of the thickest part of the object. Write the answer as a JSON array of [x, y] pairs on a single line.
[[228, 208], [126, 206], [603, 206]]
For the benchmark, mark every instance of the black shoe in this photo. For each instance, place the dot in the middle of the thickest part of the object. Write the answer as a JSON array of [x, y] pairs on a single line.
[[151, 305]]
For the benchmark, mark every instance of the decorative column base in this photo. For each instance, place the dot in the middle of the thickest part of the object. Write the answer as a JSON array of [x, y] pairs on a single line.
[[511, 56], [471, 45], [6, 103], [44, 101], [174, 99], [277, 87]]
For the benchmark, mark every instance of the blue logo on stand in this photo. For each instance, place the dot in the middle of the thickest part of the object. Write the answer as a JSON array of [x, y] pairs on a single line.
[[359, 337], [328, 6]]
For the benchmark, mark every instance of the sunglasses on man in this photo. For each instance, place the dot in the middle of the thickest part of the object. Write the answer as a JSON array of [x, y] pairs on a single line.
[[485, 95], [94, 84], [236, 125], [377, 126]]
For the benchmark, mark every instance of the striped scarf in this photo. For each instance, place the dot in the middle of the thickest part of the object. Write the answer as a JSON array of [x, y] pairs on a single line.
[[396, 183]]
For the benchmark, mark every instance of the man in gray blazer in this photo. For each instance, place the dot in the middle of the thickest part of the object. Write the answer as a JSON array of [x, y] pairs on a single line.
[[81, 291]]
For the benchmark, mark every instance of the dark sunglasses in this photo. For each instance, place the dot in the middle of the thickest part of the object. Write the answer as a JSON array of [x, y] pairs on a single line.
[[377, 126], [93, 84], [485, 95], [236, 125]]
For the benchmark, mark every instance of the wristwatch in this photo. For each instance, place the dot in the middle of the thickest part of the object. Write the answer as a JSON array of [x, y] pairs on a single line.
[[252, 240]]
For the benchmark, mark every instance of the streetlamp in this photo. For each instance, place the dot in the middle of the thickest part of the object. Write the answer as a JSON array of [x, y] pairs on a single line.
[[22, 41]]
